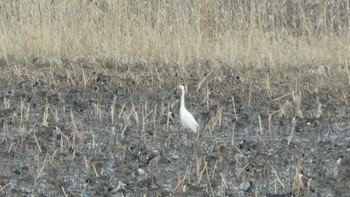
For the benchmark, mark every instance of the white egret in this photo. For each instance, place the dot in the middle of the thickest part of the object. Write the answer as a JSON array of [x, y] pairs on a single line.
[[186, 117]]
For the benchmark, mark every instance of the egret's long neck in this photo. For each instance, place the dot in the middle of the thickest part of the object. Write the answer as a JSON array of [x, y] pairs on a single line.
[[183, 99]]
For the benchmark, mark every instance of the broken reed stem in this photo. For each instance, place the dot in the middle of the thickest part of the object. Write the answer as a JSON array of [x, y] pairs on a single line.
[[74, 127], [93, 166], [268, 86], [208, 178], [2, 188], [181, 182], [201, 172], [297, 104], [223, 179], [294, 122], [134, 113], [298, 178], [155, 124], [21, 111], [64, 192], [113, 110], [27, 114], [319, 109], [143, 120], [55, 115], [234, 108], [84, 78], [6, 103], [207, 97], [233, 134], [250, 94], [37, 142], [41, 167], [46, 114], [63, 136], [214, 169], [86, 163], [198, 164], [203, 80], [347, 71], [98, 112], [168, 120], [278, 178], [269, 122], [260, 126]]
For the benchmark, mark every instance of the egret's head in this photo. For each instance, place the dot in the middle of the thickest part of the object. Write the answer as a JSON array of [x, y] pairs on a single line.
[[182, 88]]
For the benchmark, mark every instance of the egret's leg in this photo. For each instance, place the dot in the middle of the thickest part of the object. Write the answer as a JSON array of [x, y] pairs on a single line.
[[188, 139]]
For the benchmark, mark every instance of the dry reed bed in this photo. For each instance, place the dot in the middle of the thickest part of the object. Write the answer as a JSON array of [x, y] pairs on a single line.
[[257, 32]]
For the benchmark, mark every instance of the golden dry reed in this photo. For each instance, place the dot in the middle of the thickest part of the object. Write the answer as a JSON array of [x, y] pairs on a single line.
[[254, 32]]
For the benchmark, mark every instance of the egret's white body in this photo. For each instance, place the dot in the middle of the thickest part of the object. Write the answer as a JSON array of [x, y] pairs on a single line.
[[186, 117]]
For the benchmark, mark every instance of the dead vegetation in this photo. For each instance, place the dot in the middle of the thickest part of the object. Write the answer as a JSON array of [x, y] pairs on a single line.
[[261, 33], [88, 104]]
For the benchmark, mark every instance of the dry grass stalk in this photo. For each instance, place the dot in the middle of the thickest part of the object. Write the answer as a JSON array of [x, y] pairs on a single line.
[[97, 112], [223, 179], [113, 110], [6, 103], [269, 123], [46, 114], [214, 121], [294, 122], [86, 163], [208, 179], [200, 84], [207, 99], [55, 114], [181, 181], [21, 111], [74, 128], [2, 188], [155, 128], [250, 97], [37, 142], [297, 104], [93, 166], [319, 109], [85, 79], [201, 171], [268, 86], [233, 134], [134, 113], [41, 166], [27, 113], [347, 71], [298, 178], [234, 108], [64, 191], [260, 125], [278, 179]]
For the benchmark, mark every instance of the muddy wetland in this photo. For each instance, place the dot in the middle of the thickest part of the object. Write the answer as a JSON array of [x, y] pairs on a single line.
[[71, 130]]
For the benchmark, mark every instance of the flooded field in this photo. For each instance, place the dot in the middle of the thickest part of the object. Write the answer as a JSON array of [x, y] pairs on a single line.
[[75, 130]]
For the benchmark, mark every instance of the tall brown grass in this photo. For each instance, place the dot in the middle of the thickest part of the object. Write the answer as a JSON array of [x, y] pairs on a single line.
[[255, 32]]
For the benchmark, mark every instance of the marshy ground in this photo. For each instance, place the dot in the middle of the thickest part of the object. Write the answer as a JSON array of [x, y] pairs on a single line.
[[89, 107], [74, 130]]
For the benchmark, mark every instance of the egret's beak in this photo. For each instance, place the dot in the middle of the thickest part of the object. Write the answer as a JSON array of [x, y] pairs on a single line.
[[175, 90]]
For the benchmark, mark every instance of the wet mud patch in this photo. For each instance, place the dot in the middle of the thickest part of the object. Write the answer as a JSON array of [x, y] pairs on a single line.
[[115, 131]]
